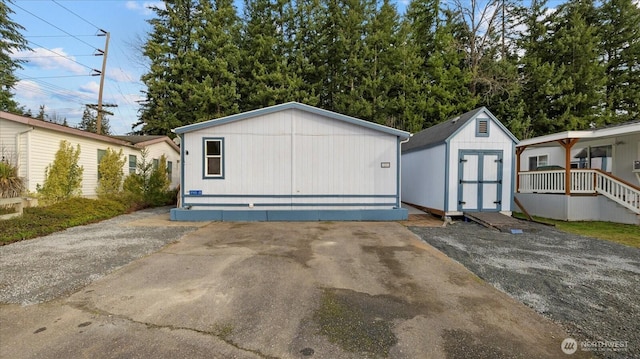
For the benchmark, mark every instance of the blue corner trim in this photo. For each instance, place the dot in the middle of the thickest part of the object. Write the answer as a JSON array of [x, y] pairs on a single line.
[[292, 196], [182, 214]]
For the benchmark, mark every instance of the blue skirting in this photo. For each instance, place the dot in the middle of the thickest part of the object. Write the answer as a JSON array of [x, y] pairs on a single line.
[[183, 214]]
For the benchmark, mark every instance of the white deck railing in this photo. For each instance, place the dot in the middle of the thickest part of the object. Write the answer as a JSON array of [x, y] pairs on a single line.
[[582, 181]]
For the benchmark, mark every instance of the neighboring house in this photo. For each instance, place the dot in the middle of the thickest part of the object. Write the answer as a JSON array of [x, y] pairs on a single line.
[[582, 175], [289, 162], [465, 164], [32, 144]]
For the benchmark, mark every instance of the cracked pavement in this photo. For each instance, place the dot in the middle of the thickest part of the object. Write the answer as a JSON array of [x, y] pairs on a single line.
[[280, 290]]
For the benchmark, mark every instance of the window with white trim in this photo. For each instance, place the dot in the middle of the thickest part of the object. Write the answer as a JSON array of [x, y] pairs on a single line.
[[538, 161], [213, 158], [133, 163]]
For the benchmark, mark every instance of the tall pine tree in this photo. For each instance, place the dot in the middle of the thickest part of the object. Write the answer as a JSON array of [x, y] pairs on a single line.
[[620, 42], [11, 40]]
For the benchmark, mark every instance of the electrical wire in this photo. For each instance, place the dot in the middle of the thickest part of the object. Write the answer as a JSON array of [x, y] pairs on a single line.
[[78, 16], [66, 57], [75, 37]]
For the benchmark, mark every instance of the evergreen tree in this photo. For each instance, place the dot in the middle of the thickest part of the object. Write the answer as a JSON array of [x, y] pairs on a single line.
[[448, 79], [620, 40], [575, 49], [11, 40], [307, 55], [89, 123], [264, 67], [194, 63]]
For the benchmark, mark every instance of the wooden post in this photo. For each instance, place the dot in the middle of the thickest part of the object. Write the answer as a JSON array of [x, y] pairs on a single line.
[[519, 151], [104, 67], [567, 144]]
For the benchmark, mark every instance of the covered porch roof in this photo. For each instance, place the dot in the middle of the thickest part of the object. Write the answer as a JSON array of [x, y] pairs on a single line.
[[568, 139], [564, 137]]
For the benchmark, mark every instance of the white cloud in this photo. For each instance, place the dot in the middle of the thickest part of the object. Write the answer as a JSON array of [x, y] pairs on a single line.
[[144, 6], [29, 90], [90, 88], [51, 59], [120, 75]]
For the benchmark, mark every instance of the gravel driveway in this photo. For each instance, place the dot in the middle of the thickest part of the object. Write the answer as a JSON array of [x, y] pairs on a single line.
[[42, 269], [590, 286]]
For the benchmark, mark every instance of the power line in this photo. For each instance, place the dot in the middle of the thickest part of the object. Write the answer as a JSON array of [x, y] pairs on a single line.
[[66, 57], [92, 35], [36, 16], [78, 16]]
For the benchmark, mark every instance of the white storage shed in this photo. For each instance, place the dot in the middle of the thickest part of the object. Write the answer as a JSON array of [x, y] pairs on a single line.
[[465, 164], [289, 162]]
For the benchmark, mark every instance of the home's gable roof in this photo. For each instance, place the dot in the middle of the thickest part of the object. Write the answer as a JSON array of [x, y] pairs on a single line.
[[446, 130], [287, 106], [131, 141], [626, 128]]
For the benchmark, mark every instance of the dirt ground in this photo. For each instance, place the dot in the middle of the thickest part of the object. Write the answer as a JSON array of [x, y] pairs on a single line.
[[590, 286], [270, 290]]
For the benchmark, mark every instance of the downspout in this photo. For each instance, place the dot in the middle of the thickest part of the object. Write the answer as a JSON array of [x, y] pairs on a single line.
[[399, 177], [27, 153]]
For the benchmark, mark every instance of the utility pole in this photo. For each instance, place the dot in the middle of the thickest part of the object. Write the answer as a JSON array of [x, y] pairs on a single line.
[[102, 73]]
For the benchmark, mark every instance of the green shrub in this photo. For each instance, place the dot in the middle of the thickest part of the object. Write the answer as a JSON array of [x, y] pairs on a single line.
[[110, 174], [11, 185], [63, 178], [148, 186], [40, 221]]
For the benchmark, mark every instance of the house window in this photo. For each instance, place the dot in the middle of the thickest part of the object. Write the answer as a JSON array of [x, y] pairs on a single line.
[[538, 161], [133, 163], [482, 127], [169, 170], [101, 154], [213, 158], [156, 163]]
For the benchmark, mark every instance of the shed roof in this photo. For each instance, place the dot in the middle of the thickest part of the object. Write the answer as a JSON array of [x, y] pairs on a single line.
[[443, 131], [288, 106]]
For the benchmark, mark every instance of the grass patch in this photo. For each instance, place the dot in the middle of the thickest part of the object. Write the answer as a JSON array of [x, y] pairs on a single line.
[[40, 221], [627, 234]]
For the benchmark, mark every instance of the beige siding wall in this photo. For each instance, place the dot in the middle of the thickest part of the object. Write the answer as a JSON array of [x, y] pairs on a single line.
[[36, 150], [14, 141]]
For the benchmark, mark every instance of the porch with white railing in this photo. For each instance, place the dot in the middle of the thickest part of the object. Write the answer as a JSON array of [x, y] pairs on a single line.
[[582, 181]]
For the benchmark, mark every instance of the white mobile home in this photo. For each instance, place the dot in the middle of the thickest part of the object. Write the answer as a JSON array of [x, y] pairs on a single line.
[[464, 164], [31, 144], [289, 162], [582, 175]]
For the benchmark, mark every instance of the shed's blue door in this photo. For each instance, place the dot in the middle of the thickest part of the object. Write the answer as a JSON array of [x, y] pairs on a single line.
[[480, 180]]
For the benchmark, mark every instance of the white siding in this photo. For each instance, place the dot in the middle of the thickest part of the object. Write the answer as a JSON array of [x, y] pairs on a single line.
[[274, 157], [626, 150], [466, 139], [423, 177]]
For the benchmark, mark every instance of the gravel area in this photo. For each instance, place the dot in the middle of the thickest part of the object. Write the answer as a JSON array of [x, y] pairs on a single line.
[[41, 269], [590, 286]]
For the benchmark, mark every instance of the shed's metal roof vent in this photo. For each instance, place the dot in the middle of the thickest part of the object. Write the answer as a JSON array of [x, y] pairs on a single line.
[[455, 119]]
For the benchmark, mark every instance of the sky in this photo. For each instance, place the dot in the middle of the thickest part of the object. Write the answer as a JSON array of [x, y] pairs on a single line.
[[63, 37]]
